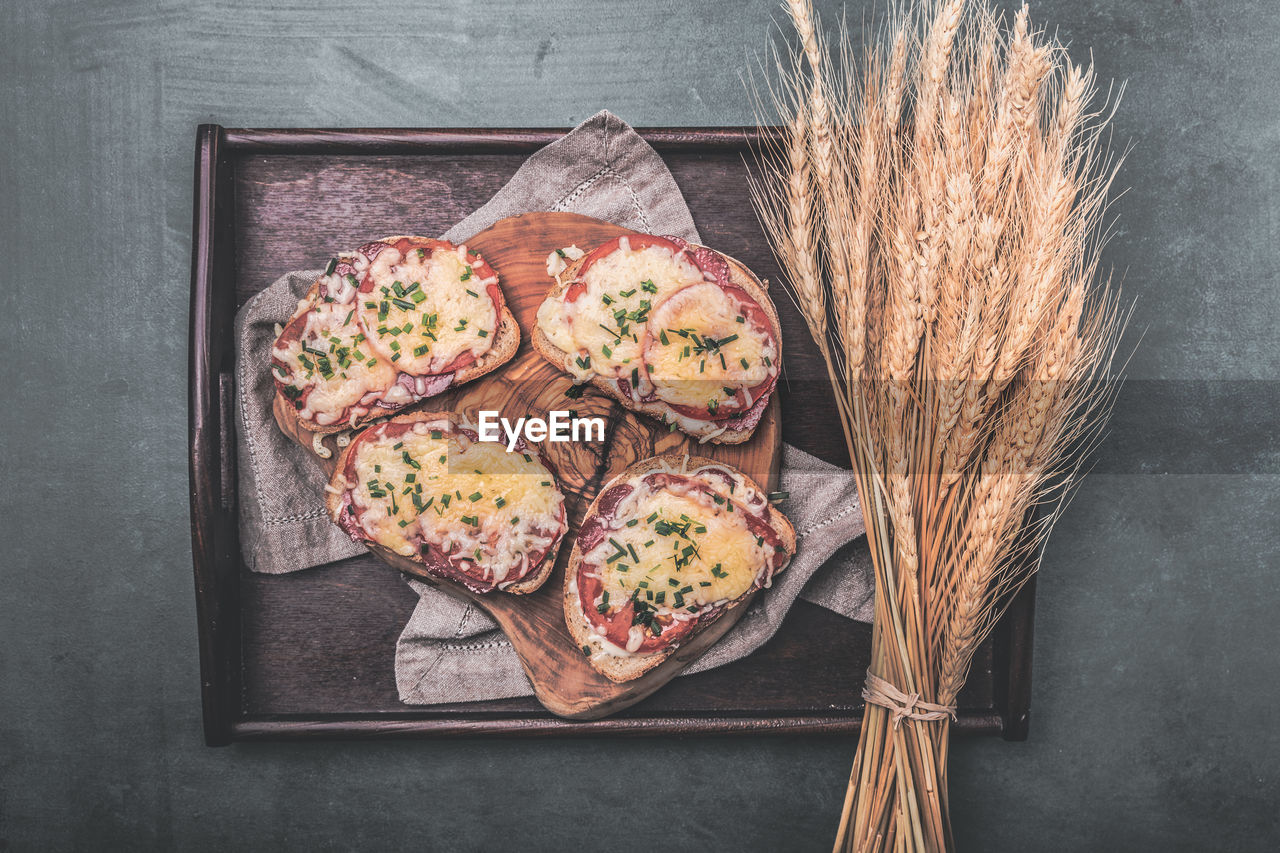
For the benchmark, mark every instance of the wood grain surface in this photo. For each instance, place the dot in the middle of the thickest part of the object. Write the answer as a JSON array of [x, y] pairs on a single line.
[[563, 681]]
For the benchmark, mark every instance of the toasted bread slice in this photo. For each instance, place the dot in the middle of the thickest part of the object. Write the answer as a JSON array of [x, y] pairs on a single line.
[[505, 341], [422, 487], [615, 662], [718, 431]]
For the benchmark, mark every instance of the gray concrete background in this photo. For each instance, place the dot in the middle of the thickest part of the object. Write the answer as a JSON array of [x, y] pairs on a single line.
[[1156, 668]]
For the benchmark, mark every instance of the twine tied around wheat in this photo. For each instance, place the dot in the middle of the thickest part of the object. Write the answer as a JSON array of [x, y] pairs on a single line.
[[904, 706]]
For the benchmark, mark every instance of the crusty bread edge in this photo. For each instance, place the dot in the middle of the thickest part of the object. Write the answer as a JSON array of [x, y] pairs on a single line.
[[623, 669], [506, 342], [739, 274], [333, 504]]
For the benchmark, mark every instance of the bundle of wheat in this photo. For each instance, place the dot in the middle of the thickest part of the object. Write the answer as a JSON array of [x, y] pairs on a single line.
[[937, 207]]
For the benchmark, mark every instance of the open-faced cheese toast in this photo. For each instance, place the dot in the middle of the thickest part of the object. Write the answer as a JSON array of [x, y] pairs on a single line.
[[667, 547], [674, 330], [395, 322], [423, 486]]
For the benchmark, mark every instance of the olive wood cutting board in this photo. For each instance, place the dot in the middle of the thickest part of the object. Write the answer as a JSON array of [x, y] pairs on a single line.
[[563, 680]]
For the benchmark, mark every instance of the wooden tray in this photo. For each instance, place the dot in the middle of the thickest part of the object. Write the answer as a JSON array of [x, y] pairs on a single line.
[[310, 654]]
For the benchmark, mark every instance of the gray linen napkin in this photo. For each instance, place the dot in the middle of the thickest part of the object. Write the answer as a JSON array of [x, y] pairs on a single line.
[[450, 651]]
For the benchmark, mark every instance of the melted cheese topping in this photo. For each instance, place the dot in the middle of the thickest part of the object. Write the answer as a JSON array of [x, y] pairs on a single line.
[[603, 327], [333, 359], [701, 349], [425, 311], [559, 260], [554, 323], [685, 551], [470, 499]]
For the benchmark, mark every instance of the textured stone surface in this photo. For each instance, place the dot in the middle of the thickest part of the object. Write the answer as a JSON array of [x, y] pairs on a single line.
[[1156, 671]]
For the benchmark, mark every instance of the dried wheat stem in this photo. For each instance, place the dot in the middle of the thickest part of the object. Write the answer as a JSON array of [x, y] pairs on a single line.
[[937, 213]]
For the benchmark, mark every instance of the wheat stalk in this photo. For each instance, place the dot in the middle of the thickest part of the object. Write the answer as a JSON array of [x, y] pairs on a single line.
[[937, 208]]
